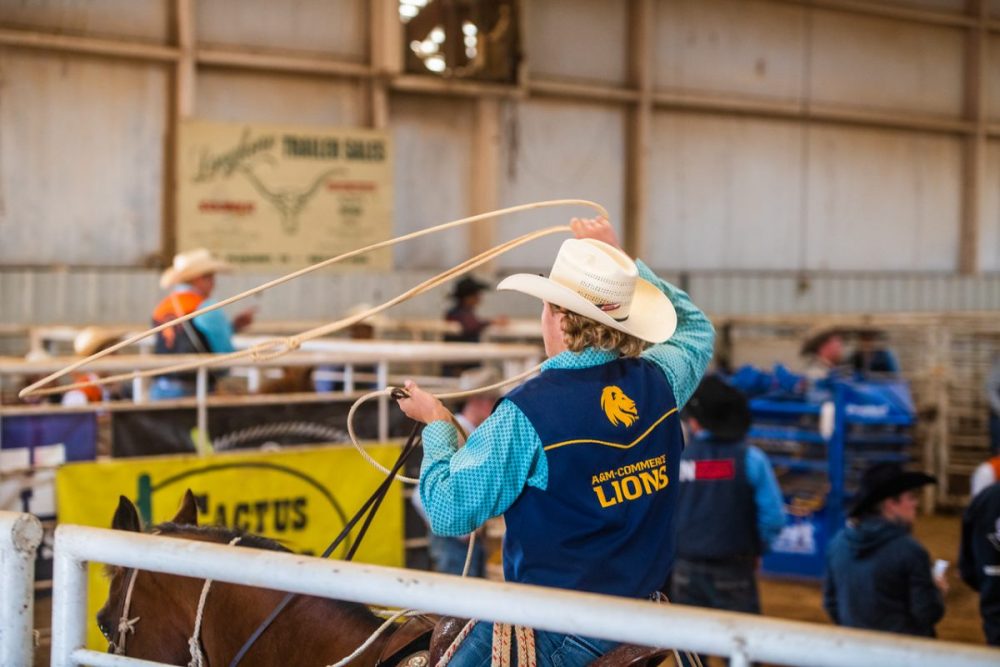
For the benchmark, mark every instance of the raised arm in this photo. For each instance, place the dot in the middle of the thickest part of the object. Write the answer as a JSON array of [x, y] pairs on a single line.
[[683, 358]]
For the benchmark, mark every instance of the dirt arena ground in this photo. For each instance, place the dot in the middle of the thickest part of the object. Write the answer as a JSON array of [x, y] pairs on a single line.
[[801, 601]]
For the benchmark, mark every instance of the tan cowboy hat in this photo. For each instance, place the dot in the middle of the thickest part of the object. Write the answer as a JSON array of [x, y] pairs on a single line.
[[191, 264], [602, 283], [376, 321], [818, 335], [93, 339]]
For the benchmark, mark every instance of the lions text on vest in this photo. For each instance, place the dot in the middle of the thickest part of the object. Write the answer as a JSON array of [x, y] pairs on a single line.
[[631, 481]]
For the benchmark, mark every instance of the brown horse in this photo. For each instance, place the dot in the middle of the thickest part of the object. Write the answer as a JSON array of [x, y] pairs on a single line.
[[310, 631]]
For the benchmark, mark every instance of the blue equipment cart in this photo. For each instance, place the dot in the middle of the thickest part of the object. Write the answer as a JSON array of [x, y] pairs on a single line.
[[819, 443]]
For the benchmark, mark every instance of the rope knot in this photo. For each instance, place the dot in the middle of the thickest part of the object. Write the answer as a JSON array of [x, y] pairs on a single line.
[[125, 626], [272, 349]]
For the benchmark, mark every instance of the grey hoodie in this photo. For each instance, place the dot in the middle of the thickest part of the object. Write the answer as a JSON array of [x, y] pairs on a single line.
[[878, 577]]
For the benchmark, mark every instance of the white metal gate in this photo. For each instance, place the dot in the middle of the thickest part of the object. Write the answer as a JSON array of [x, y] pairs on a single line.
[[20, 535], [740, 636]]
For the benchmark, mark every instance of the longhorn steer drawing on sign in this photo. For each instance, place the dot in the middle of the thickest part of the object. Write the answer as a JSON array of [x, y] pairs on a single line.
[[288, 202]]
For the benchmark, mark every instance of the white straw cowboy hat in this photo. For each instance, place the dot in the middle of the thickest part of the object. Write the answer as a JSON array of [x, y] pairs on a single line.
[[191, 264], [93, 339], [602, 283], [376, 321]]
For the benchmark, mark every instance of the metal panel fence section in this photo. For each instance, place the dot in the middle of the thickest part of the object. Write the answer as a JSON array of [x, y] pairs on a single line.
[[742, 637], [20, 535], [97, 296], [946, 357], [747, 293]]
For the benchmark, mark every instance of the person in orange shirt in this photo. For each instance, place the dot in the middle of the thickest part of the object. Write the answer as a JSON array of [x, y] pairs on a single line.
[[191, 281]]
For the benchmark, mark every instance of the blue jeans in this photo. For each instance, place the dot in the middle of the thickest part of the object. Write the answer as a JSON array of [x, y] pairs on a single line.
[[551, 649], [448, 555]]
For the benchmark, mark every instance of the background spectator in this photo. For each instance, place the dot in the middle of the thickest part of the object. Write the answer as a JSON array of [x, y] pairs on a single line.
[[878, 576], [730, 507], [979, 558], [191, 281]]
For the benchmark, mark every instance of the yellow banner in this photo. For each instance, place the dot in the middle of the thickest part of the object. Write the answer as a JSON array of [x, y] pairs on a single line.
[[299, 497], [279, 197]]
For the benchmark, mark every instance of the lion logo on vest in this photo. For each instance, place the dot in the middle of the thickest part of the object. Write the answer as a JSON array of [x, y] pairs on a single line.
[[618, 407]]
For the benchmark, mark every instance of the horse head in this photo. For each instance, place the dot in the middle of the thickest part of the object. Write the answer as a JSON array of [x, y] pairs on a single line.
[[151, 615], [150, 595]]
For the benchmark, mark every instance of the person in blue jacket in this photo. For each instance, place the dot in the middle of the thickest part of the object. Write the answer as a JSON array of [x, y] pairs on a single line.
[[729, 508], [979, 558], [582, 460], [878, 577]]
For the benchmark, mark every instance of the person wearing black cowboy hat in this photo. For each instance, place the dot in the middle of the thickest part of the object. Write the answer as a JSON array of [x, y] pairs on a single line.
[[466, 296], [878, 577], [730, 507]]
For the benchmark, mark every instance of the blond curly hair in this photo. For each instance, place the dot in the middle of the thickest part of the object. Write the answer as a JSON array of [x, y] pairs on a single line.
[[580, 332]]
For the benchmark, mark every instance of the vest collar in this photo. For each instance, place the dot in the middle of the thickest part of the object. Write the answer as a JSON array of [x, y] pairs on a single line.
[[587, 358]]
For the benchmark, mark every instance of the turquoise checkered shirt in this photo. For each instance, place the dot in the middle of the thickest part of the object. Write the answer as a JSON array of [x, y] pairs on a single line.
[[462, 488]]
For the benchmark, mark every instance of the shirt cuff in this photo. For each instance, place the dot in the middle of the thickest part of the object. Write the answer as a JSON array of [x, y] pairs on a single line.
[[440, 440]]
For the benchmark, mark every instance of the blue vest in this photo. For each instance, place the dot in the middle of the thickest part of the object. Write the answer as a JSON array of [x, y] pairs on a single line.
[[612, 442], [716, 515]]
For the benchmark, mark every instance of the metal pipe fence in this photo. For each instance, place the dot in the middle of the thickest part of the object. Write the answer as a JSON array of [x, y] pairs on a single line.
[[20, 535], [742, 637]]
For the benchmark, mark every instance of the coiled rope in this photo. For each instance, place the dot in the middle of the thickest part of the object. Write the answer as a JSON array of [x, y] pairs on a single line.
[[277, 347]]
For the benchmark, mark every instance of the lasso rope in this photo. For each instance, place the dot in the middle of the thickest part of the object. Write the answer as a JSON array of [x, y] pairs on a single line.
[[277, 347]]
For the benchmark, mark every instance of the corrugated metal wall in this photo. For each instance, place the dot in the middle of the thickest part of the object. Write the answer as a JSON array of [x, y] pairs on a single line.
[[743, 204], [126, 296]]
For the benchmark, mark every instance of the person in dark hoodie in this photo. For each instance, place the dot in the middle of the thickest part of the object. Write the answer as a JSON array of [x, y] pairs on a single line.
[[979, 560], [878, 577], [729, 507]]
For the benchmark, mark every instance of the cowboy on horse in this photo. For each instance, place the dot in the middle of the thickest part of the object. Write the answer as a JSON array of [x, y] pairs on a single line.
[[582, 460]]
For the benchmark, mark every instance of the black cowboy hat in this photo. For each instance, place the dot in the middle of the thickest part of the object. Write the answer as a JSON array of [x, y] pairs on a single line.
[[720, 409], [467, 286], [886, 480]]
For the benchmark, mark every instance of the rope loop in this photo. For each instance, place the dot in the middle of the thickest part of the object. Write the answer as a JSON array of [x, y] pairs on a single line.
[[272, 349]]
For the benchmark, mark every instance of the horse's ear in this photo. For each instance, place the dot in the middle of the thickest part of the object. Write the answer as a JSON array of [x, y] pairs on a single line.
[[187, 515], [126, 516]]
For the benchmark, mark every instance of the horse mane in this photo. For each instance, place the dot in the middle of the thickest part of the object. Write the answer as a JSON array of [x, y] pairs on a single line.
[[221, 534]]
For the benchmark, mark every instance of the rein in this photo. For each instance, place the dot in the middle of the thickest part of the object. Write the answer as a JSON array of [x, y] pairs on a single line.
[[368, 510]]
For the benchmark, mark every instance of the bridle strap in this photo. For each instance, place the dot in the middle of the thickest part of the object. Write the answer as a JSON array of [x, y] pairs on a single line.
[[126, 624], [194, 643], [367, 511]]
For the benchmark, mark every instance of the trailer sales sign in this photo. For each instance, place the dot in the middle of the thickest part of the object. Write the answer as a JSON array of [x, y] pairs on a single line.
[[269, 197]]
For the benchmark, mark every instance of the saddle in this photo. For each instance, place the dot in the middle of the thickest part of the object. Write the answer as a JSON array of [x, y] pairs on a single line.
[[409, 645], [624, 655]]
